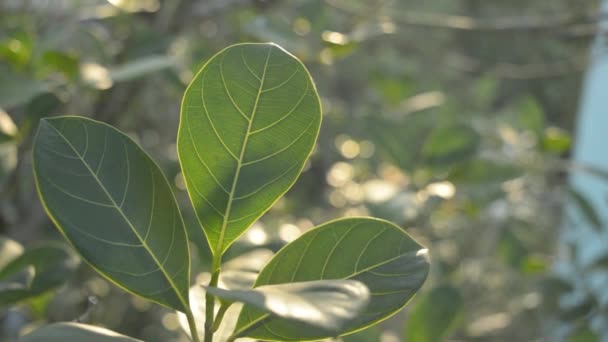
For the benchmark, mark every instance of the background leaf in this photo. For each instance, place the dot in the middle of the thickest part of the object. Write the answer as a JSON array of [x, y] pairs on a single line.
[[379, 254], [9, 251], [326, 305], [434, 315], [8, 146], [16, 89], [110, 200], [35, 271], [249, 121], [75, 332]]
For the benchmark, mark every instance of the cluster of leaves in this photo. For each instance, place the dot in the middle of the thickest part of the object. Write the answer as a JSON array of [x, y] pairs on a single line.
[[249, 121]]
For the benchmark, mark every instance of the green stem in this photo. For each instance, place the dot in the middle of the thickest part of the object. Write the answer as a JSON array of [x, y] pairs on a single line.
[[220, 315], [192, 325], [248, 328], [210, 300]]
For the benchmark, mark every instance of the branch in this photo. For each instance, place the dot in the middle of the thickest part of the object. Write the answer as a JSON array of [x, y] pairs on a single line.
[[541, 23], [517, 71]]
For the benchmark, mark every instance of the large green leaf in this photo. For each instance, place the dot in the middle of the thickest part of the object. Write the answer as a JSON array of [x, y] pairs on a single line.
[[434, 316], [324, 305], [74, 332], [249, 121], [375, 252], [112, 202], [37, 270]]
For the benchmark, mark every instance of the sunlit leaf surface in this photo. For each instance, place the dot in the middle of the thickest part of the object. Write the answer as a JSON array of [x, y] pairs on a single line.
[[375, 252], [110, 200], [249, 121], [325, 305]]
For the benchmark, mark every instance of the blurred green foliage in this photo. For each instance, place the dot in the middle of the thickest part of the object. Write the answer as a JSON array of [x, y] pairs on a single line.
[[452, 118]]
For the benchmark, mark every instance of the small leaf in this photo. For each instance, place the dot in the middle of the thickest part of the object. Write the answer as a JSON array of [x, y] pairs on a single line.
[[140, 67], [112, 202], [249, 121], [34, 272], [375, 252], [586, 209], [241, 272], [556, 140], [450, 143], [74, 332], [434, 316], [326, 305], [16, 89]]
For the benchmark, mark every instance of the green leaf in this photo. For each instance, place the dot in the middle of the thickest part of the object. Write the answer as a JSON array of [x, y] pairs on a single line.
[[249, 121], [325, 305], [585, 208], [483, 173], [556, 140], [34, 272], [371, 334], [74, 332], [140, 67], [375, 252], [241, 272], [450, 143], [16, 89], [434, 316], [113, 203]]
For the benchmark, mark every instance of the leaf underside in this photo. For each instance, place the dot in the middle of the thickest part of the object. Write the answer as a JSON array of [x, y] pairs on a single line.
[[375, 252], [112, 202], [249, 121], [325, 305]]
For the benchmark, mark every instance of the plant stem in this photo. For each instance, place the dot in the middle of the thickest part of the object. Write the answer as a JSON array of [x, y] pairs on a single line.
[[250, 327], [192, 325], [210, 300], [220, 315]]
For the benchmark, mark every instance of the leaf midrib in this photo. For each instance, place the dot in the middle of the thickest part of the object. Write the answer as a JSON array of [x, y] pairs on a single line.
[[120, 211], [220, 243]]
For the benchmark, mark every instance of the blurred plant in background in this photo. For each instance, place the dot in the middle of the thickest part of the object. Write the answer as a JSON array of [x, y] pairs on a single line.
[[452, 118]]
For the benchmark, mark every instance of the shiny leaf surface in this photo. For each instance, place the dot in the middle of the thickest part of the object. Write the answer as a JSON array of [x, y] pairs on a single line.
[[324, 305], [249, 121], [109, 199], [375, 252]]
